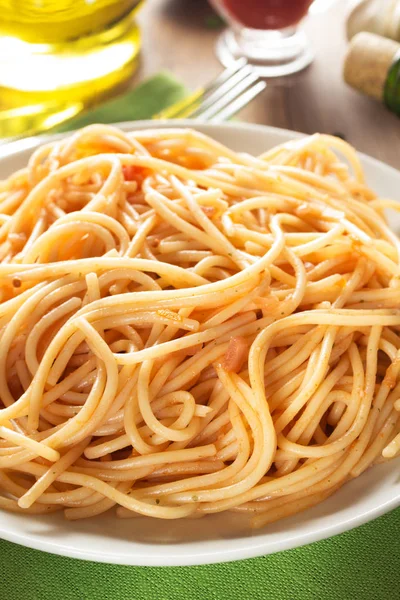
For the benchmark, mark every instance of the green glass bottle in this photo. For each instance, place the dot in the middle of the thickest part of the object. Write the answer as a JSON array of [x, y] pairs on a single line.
[[392, 87], [372, 66]]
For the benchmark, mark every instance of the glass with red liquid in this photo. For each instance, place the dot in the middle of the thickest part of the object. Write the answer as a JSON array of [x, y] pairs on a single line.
[[266, 33]]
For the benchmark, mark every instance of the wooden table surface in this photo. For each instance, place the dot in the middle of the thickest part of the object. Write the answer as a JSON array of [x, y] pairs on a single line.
[[176, 37]]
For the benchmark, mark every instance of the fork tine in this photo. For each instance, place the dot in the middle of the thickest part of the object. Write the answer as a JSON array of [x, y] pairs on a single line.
[[185, 107], [240, 102], [226, 74], [234, 93], [210, 100]]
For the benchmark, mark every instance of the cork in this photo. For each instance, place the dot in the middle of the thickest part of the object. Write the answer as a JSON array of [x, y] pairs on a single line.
[[368, 61]]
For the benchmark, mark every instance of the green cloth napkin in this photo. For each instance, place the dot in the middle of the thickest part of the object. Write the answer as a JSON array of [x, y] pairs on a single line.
[[143, 102], [363, 564]]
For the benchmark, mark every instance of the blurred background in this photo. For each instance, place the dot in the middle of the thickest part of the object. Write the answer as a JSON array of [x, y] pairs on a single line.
[[61, 60]]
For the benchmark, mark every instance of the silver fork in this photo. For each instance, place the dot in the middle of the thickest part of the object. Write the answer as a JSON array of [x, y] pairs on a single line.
[[222, 98]]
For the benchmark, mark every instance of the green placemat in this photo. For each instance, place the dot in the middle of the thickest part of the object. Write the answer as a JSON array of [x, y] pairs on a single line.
[[142, 102], [363, 564]]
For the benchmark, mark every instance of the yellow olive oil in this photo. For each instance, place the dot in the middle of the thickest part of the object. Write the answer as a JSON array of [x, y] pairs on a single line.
[[60, 56]]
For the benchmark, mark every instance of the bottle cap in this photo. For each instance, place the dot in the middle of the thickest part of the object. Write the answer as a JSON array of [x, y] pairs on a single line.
[[368, 61]]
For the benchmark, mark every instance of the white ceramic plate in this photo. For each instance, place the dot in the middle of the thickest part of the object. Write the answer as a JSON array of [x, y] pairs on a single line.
[[223, 537]]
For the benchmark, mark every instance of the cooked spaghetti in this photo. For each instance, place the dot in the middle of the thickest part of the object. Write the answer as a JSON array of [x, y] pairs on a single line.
[[186, 330]]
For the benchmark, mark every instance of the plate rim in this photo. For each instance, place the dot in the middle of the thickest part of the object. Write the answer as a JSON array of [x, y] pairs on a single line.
[[207, 557], [250, 547], [8, 149]]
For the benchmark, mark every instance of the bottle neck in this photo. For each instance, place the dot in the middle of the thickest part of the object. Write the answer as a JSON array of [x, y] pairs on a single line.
[[391, 94]]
